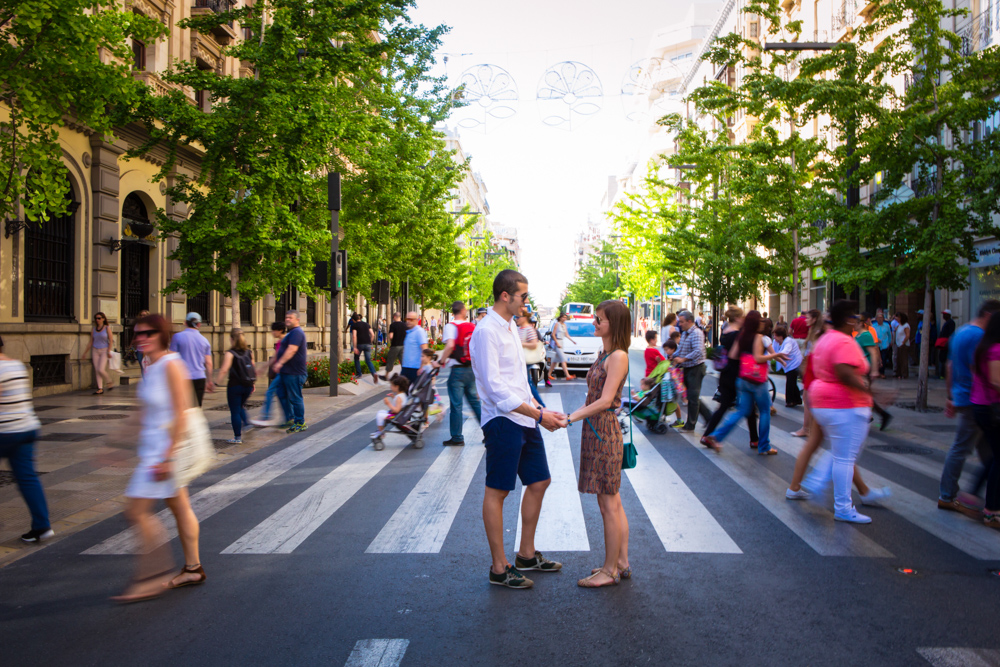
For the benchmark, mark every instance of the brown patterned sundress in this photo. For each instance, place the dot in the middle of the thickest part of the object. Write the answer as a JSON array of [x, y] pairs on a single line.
[[601, 443]]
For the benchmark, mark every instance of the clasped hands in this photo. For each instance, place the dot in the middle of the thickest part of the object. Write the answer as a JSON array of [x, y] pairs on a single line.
[[554, 420]]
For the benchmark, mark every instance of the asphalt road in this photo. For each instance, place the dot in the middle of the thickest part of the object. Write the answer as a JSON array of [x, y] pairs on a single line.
[[317, 546]]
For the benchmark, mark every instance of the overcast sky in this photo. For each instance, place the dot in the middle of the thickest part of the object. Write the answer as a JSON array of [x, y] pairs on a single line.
[[544, 180]]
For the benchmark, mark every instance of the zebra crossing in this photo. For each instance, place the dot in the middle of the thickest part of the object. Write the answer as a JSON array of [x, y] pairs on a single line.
[[426, 518]]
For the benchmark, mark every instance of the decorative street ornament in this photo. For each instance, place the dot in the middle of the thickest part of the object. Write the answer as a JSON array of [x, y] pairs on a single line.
[[648, 87], [490, 96], [567, 91]]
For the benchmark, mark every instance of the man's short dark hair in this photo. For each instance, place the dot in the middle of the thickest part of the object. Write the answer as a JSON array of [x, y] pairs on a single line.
[[865, 315], [277, 326], [457, 307], [507, 281], [989, 307]]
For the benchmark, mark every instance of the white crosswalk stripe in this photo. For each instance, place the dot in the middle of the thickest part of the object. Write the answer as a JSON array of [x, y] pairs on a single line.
[[682, 523], [422, 522], [561, 526], [812, 523], [377, 653], [221, 495], [961, 657]]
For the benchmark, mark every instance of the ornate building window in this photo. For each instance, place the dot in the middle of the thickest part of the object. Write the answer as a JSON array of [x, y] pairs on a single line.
[[48, 267]]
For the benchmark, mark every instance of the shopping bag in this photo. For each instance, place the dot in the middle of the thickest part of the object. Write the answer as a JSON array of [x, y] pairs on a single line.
[[114, 360], [194, 453]]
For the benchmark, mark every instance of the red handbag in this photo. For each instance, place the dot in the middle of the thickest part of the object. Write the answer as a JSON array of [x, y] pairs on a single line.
[[751, 371], [941, 342]]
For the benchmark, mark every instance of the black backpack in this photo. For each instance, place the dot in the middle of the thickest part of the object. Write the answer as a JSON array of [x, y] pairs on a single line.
[[242, 370]]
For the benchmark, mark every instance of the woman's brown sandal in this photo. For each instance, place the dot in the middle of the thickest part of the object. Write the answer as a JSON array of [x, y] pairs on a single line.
[[623, 573], [197, 569], [588, 582]]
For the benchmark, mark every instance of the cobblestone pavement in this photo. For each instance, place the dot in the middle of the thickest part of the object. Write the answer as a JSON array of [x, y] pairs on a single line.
[[86, 453]]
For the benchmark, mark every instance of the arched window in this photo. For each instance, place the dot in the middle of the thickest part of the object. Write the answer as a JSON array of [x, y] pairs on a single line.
[[134, 267], [48, 266]]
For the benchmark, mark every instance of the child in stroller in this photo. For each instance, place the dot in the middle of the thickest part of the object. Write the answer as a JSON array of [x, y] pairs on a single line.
[[412, 418], [655, 404]]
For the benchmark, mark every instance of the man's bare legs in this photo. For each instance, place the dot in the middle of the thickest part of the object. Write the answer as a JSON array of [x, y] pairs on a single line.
[[531, 508], [493, 522]]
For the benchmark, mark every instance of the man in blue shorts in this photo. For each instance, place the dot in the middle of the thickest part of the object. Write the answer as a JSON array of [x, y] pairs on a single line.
[[510, 418]]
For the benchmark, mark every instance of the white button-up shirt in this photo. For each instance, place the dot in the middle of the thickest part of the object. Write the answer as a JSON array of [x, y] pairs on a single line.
[[791, 348], [501, 374]]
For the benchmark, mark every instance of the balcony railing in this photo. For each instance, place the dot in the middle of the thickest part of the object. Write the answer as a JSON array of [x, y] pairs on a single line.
[[844, 15], [980, 31], [224, 32]]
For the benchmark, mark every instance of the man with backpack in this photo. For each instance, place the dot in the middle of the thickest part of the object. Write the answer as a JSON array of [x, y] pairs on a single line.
[[461, 380]]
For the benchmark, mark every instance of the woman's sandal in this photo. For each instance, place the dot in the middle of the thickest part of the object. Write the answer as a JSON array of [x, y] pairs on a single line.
[[623, 573], [98, 392], [154, 593], [588, 582], [770, 452], [193, 582]]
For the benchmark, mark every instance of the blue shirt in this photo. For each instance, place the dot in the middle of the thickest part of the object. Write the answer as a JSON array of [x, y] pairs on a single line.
[[884, 332], [193, 348], [415, 337], [961, 351], [297, 364]]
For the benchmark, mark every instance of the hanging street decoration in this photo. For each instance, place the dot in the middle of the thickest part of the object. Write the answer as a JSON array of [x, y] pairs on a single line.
[[490, 96], [648, 87], [568, 91]]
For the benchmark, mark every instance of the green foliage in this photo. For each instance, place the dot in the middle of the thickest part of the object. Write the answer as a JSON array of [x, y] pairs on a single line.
[[51, 67], [597, 280], [482, 261], [338, 86]]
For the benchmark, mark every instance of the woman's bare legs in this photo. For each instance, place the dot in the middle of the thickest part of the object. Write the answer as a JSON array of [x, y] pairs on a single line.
[[814, 440], [806, 420], [615, 536], [188, 530], [154, 563]]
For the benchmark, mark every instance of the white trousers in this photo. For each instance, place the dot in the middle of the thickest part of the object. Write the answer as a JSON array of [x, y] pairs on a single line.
[[99, 357], [846, 429]]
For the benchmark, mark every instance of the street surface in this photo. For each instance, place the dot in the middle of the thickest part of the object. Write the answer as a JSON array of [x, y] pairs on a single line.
[[320, 550]]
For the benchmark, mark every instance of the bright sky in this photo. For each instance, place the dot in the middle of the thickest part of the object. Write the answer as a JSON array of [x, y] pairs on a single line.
[[543, 180]]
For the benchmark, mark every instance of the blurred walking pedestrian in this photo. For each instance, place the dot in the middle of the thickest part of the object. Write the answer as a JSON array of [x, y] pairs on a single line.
[[985, 398], [941, 343], [841, 401], [863, 337], [273, 382], [668, 326], [816, 324], [361, 343], [787, 346], [958, 382], [461, 379], [434, 328], [291, 370], [101, 342], [751, 385], [413, 346], [727, 378], [690, 356], [237, 365], [601, 442], [165, 395], [19, 429], [196, 352], [884, 332], [397, 336], [560, 334], [514, 445], [533, 350]]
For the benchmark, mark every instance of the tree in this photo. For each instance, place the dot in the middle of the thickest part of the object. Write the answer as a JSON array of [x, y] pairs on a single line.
[[938, 173], [482, 263], [598, 280], [329, 78], [59, 59]]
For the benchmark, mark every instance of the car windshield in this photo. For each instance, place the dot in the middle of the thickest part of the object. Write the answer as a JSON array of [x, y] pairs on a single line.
[[578, 308], [583, 329]]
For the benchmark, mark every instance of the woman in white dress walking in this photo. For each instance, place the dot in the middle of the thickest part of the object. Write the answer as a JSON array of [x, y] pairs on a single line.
[[165, 393]]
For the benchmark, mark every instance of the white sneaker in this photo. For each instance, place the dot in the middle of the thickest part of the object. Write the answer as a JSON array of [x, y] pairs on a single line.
[[801, 494], [265, 422], [876, 495], [853, 517], [235, 441]]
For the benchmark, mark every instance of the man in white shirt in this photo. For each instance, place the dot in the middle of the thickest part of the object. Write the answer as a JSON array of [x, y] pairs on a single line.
[[510, 418], [434, 328]]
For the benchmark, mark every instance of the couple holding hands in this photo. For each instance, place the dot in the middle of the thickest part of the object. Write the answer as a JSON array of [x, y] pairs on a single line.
[[511, 420]]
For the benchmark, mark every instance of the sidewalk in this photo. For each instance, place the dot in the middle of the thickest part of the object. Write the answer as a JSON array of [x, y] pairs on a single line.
[[86, 453]]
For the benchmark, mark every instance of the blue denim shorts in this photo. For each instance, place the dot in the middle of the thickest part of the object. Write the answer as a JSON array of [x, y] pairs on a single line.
[[513, 451]]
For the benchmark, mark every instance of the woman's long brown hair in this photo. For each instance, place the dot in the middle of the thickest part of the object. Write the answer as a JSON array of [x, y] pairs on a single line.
[[620, 320]]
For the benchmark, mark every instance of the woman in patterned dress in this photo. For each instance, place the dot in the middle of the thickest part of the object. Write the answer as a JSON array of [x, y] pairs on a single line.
[[601, 443]]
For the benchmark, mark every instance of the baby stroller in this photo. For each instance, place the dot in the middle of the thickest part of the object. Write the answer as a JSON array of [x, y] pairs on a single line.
[[654, 408], [412, 420]]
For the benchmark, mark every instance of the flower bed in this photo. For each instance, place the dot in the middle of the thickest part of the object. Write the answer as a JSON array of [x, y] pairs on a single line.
[[318, 368]]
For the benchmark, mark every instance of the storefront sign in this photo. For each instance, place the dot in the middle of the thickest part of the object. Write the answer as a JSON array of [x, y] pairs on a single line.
[[989, 253]]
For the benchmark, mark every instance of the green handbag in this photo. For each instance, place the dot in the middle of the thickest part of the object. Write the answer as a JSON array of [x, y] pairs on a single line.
[[628, 450]]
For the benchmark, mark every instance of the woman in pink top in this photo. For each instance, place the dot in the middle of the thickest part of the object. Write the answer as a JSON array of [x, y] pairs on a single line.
[[985, 399], [841, 403]]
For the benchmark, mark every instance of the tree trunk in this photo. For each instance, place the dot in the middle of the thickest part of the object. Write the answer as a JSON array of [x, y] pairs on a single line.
[[925, 346], [234, 293]]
